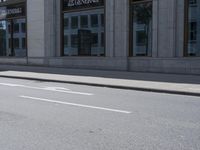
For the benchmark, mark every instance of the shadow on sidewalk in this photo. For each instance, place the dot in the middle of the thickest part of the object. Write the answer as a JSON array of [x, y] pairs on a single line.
[[155, 77]]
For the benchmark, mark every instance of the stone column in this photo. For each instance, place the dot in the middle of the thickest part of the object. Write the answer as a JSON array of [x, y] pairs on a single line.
[[121, 28], [57, 22], [109, 25], [155, 29], [35, 29], [50, 27], [180, 28], [166, 28]]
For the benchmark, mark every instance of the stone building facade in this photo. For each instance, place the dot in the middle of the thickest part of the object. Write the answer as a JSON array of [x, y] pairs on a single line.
[[130, 35]]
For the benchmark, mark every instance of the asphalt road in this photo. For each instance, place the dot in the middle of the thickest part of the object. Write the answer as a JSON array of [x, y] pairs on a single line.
[[54, 116]]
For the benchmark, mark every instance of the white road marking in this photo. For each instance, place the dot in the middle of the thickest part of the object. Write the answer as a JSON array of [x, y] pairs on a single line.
[[74, 104], [57, 88], [10, 84], [54, 89]]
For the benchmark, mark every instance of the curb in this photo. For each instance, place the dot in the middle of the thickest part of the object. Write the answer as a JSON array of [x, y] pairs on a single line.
[[108, 86]]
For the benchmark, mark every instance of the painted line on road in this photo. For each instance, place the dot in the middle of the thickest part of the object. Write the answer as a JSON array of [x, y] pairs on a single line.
[[74, 104], [54, 89]]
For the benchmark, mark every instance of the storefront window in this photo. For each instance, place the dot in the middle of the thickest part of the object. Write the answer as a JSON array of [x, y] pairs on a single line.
[[141, 24], [193, 28], [13, 30], [83, 27]]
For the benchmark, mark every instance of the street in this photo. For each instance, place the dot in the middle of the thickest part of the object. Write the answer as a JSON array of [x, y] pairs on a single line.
[[38, 115]]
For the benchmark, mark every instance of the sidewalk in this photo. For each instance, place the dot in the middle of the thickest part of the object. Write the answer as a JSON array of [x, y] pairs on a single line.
[[155, 82]]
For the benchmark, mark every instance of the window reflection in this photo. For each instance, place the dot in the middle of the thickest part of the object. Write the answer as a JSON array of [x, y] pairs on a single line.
[[85, 36], [193, 21], [19, 37], [142, 29], [13, 37], [13, 30], [84, 21], [4, 38]]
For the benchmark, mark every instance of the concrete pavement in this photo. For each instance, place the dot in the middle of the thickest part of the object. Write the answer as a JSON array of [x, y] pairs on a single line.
[[155, 82]]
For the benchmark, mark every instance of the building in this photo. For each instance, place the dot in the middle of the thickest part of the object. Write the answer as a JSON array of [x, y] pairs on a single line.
[[131, 35]]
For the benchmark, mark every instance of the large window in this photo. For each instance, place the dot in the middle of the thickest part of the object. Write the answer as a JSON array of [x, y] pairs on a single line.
[[141, 28], [83, 27], [13, 30], [193, 28]]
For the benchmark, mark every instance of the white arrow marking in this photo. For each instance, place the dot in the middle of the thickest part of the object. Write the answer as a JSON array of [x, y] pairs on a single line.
[[54, 89]]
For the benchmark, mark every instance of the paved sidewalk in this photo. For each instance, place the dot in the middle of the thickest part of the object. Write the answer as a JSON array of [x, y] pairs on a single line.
[[155, 82]]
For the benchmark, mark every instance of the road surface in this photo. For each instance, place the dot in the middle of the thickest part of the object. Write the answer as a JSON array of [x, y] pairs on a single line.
[[54, 116]]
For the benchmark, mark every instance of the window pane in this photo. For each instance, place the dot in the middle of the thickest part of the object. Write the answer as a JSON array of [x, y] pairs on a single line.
[[9, 43], [66, 41], [9, 28], [66, 23], [95, 39], [84, 21], [23, 43], [16, 28], [193, 43], [85, 41], [74, 41], [102, 20], [16, 43], [74, 22], [94, 20], [142, 29], [23, 27], [102, 39]]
